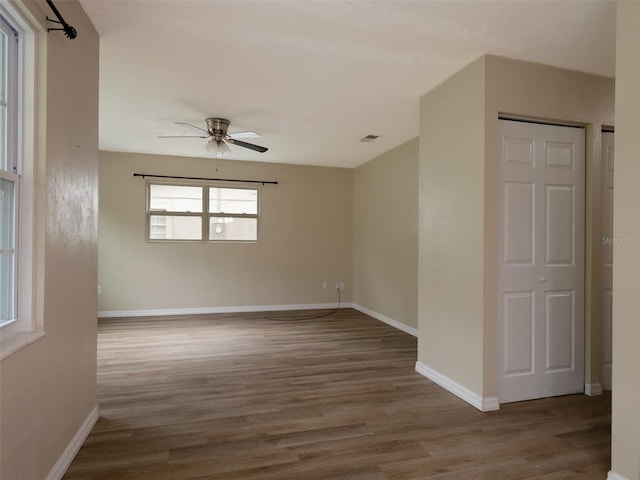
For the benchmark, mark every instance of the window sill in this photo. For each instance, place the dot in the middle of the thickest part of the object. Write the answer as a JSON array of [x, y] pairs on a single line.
[[13, 343]]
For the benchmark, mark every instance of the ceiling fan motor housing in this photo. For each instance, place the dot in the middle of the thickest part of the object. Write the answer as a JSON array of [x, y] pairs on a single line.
[[217, 128]]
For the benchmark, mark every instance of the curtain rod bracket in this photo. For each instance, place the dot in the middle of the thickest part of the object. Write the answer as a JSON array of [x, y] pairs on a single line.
[[68, 30]]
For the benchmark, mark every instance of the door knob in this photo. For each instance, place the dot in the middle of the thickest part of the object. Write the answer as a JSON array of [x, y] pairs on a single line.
[[543, 279]]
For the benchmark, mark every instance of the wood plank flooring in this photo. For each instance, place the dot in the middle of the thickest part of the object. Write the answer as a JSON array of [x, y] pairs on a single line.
[[242, 397]]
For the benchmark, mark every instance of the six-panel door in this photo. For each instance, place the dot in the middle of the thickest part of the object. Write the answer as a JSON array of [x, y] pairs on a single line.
[[541, 261]]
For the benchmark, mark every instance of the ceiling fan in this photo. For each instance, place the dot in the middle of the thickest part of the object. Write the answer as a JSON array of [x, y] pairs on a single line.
[[216, 132]]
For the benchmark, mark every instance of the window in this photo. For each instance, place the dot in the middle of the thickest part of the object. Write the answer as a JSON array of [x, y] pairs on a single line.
[[20, 289], [202, 213], [9, 178]]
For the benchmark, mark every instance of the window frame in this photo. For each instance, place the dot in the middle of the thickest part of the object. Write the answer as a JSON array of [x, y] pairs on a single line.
[[205, 215], [27, 326]]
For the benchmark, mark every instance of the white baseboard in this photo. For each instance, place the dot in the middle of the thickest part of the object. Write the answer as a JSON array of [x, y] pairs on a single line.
[[484, 404], [388, 320], [592, 389], [61, 466], [205, 310], [616, 476]]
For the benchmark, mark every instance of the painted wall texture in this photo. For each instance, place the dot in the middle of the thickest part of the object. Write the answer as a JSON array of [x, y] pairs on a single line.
[[385, 234], [305, 239], [451, 227], [48, 388]]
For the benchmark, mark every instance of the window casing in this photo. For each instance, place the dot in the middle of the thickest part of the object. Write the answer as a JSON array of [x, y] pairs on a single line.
[[202, 212]]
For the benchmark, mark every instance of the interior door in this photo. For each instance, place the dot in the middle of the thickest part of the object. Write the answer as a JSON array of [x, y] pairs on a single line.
[[607, 256], [541, 261]]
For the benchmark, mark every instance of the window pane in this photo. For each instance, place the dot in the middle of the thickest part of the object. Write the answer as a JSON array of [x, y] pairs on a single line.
[[233, 200], [158, 227], [233, 228], [175, 228], [7, 213], [3, 100], [3, 65], [3, 138], [6, 287], [7, 251], [172, 198]]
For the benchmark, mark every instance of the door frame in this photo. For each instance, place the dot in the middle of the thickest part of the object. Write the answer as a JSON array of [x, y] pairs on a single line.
[[606, 346]]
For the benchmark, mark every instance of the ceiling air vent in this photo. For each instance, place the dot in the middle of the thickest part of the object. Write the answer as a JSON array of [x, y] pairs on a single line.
[[369, 138]]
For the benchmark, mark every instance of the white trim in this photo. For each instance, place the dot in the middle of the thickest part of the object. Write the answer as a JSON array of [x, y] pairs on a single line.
[[592, 389], [204, 310], [484, 404], [616, 476], [388, 320], [61, 466]]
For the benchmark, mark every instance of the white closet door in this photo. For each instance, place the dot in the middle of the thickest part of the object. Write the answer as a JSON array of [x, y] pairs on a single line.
[[541, 261]]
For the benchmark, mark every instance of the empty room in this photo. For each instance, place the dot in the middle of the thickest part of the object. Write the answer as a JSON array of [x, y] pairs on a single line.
[[319, 240]]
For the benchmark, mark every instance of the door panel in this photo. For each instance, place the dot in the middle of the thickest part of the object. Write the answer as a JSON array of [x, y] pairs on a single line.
[[541, 264], [560, 224], [519, 227], [518, 318], [518, 151], [559, 154], [559, 326]]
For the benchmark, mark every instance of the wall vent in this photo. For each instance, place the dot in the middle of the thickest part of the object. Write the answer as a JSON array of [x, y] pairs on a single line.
[[369, 138]]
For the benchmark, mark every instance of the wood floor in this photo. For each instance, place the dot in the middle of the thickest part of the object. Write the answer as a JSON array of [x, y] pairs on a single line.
[[242, 397]]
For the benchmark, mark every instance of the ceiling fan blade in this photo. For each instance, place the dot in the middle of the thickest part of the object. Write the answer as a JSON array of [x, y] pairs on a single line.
[[192, 126], [183, 136], [250, 146], [248, 134]]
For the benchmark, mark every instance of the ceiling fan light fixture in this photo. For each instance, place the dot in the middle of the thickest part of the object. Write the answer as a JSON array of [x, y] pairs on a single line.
[[218, 142], [219, 148]]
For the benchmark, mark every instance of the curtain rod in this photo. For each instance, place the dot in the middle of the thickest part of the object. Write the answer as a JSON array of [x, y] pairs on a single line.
[[263, 182]]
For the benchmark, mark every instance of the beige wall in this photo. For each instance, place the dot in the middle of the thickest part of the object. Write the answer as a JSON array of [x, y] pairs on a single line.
[[459, 206], [305, 239], [626, 270], [48, 388], [451, 216], [385, 235]]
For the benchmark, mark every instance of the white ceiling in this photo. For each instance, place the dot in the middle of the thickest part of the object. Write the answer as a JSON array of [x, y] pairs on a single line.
[[315, 76]]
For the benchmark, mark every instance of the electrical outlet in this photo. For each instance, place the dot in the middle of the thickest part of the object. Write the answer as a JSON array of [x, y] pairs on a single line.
[[99, 290], [340, 286], [324, 285]]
